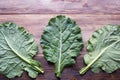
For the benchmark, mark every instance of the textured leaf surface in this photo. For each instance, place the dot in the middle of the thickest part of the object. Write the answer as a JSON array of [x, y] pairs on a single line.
[[103, 50], [17, 47], [61, 41]]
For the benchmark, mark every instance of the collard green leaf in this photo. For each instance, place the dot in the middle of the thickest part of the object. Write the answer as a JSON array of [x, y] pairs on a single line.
[[61, 41], [17, 47], [103, 50]]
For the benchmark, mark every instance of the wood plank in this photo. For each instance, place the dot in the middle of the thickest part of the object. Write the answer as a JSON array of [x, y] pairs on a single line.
[[35, 24], [60, 6]]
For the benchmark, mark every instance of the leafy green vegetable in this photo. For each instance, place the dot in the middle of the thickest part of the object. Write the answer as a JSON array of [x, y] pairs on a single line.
[[61, 41], [17, 47], [104, 50]]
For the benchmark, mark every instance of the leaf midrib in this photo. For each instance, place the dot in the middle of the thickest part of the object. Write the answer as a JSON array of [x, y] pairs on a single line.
[[60, 54]]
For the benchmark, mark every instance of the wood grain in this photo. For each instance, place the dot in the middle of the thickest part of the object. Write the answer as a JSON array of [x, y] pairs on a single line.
[[60, 6], [35, 24]]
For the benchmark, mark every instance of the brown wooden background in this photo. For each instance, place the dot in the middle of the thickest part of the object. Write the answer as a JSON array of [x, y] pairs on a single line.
[[35, 14]]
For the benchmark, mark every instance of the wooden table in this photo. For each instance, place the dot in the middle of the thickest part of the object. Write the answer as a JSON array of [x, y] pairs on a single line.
[[35, 14]]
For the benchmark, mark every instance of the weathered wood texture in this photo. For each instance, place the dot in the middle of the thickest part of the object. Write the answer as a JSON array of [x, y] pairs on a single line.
[[35, 14], [35, 24], [60, 6]]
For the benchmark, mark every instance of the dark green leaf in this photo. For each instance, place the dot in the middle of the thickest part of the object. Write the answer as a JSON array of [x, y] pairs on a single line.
[[103, 50], [61, 41], [17, 47]]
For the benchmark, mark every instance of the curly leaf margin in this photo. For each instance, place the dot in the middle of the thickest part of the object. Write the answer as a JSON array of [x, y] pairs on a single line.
[[54, 42]]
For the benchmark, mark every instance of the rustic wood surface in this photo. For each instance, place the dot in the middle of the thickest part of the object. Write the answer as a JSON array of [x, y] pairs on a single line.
[[34, 15], [60, 6]]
